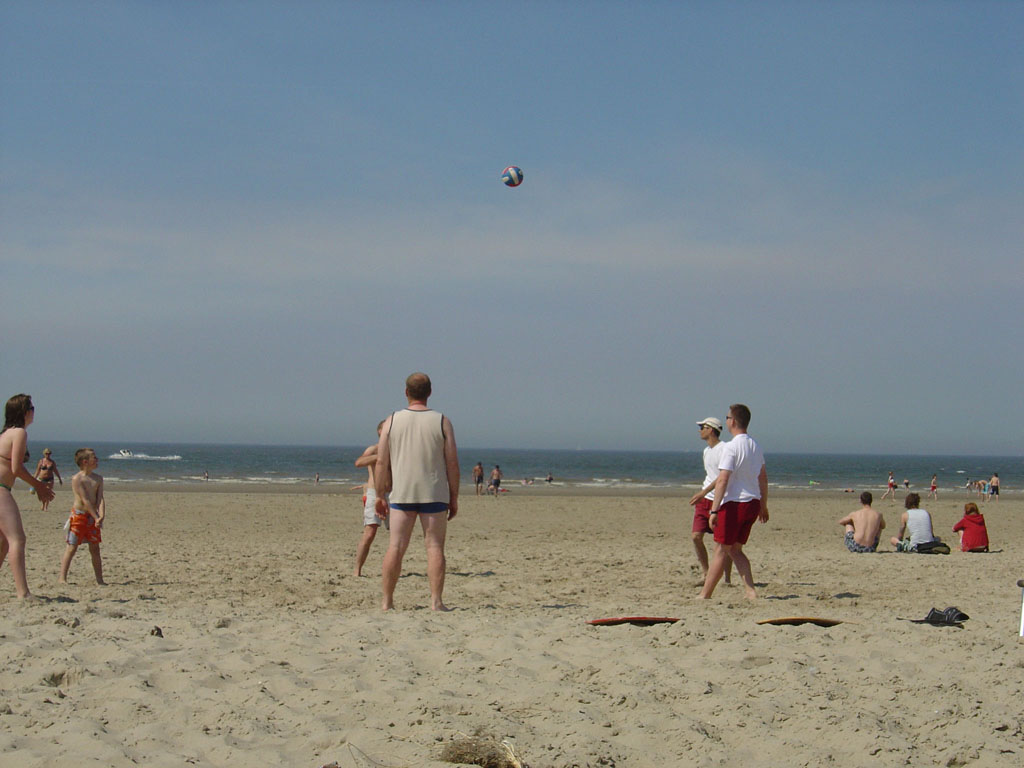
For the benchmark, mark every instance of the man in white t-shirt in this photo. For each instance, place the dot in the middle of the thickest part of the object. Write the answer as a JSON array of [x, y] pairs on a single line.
[[741, 497], [710, 429]]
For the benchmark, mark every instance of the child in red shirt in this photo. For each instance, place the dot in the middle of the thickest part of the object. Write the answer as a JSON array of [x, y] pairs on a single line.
[[973, 533]]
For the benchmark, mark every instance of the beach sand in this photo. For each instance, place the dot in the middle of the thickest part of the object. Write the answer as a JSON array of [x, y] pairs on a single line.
[[273, 654]]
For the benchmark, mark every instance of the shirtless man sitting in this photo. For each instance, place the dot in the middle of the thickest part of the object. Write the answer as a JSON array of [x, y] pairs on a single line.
[[863, 527]]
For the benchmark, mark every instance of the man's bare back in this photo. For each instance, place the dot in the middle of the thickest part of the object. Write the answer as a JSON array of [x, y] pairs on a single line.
[[867, 525]]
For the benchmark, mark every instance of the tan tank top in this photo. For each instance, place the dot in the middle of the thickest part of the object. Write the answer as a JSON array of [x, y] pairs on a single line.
[[418, 472]]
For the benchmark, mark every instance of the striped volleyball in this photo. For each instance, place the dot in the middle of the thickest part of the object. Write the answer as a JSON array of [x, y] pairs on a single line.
[[512, 176]]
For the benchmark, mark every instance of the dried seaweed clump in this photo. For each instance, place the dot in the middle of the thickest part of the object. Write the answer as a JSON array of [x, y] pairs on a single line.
[[484, 750]]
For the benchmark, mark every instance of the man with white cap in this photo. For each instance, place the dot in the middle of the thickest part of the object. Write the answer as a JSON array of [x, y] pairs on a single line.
[[710, 429]]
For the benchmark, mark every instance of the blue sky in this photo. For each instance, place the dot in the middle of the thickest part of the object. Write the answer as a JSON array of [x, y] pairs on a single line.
[[248, 222]]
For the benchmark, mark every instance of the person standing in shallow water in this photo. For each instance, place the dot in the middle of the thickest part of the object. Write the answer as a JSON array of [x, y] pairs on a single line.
[[18, 415], [418, 465]]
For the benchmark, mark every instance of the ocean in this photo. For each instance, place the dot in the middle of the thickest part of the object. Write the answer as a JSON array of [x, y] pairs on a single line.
[[178, 463]]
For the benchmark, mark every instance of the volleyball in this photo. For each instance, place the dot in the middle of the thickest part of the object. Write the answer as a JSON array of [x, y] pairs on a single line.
[[512, 176]]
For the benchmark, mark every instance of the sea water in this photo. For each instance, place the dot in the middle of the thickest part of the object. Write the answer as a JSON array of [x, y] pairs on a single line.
[[176, 463]]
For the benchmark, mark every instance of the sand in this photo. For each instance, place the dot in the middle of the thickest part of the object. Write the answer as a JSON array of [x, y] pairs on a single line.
[[273, 654]]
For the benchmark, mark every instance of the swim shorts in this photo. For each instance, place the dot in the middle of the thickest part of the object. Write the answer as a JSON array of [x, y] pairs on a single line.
[[370, 510], [734, 521], [82, 529], [422, 508], [906, 546], [994, 490], [701, 513], [853, 546]]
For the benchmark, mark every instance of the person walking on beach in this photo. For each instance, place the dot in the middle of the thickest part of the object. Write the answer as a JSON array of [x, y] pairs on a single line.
[[371, 520], [741, 497], [478, 477], [496, 475], [45, 471], [891, 488], [933, 491], [710, 429], [18, 415], [418, 463], [86, 515]]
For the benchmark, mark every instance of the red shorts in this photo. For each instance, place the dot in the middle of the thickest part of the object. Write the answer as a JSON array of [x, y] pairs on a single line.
[[734, 521], [701, 512]]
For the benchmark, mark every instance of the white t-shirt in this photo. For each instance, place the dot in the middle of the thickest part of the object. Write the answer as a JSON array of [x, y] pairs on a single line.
[[711, 457], [744, 459]]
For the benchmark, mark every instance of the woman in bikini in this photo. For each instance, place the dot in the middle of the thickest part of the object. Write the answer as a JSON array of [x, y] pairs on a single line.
[[18, 414], [45, 470]]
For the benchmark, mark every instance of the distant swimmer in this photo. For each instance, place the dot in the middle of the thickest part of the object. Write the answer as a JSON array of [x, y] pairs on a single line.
[[549, 479], [890, 490], [906, 484]]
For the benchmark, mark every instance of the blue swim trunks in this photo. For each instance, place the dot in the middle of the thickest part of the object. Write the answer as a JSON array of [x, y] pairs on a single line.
[[423, 508]]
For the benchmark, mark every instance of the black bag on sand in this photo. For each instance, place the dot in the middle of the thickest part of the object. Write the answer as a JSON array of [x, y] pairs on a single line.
[[933, 548]]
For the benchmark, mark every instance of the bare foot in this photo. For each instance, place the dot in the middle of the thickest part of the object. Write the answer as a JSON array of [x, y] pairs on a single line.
[[62, 581], [31, 599], [750, 594], [440, 607], [102, 583]]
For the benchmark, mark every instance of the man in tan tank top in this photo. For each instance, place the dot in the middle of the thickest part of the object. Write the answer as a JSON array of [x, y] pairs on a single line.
[[417, 477]]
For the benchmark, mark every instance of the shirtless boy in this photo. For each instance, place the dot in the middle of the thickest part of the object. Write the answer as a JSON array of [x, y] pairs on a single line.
[[371, 522], [87, 514], [863, 527]]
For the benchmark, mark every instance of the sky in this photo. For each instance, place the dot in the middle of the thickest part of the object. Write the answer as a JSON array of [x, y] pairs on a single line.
[[247, 222]]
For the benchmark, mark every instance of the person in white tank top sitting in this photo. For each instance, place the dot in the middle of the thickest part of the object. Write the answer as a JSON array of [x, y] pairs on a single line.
[[915, 526]]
